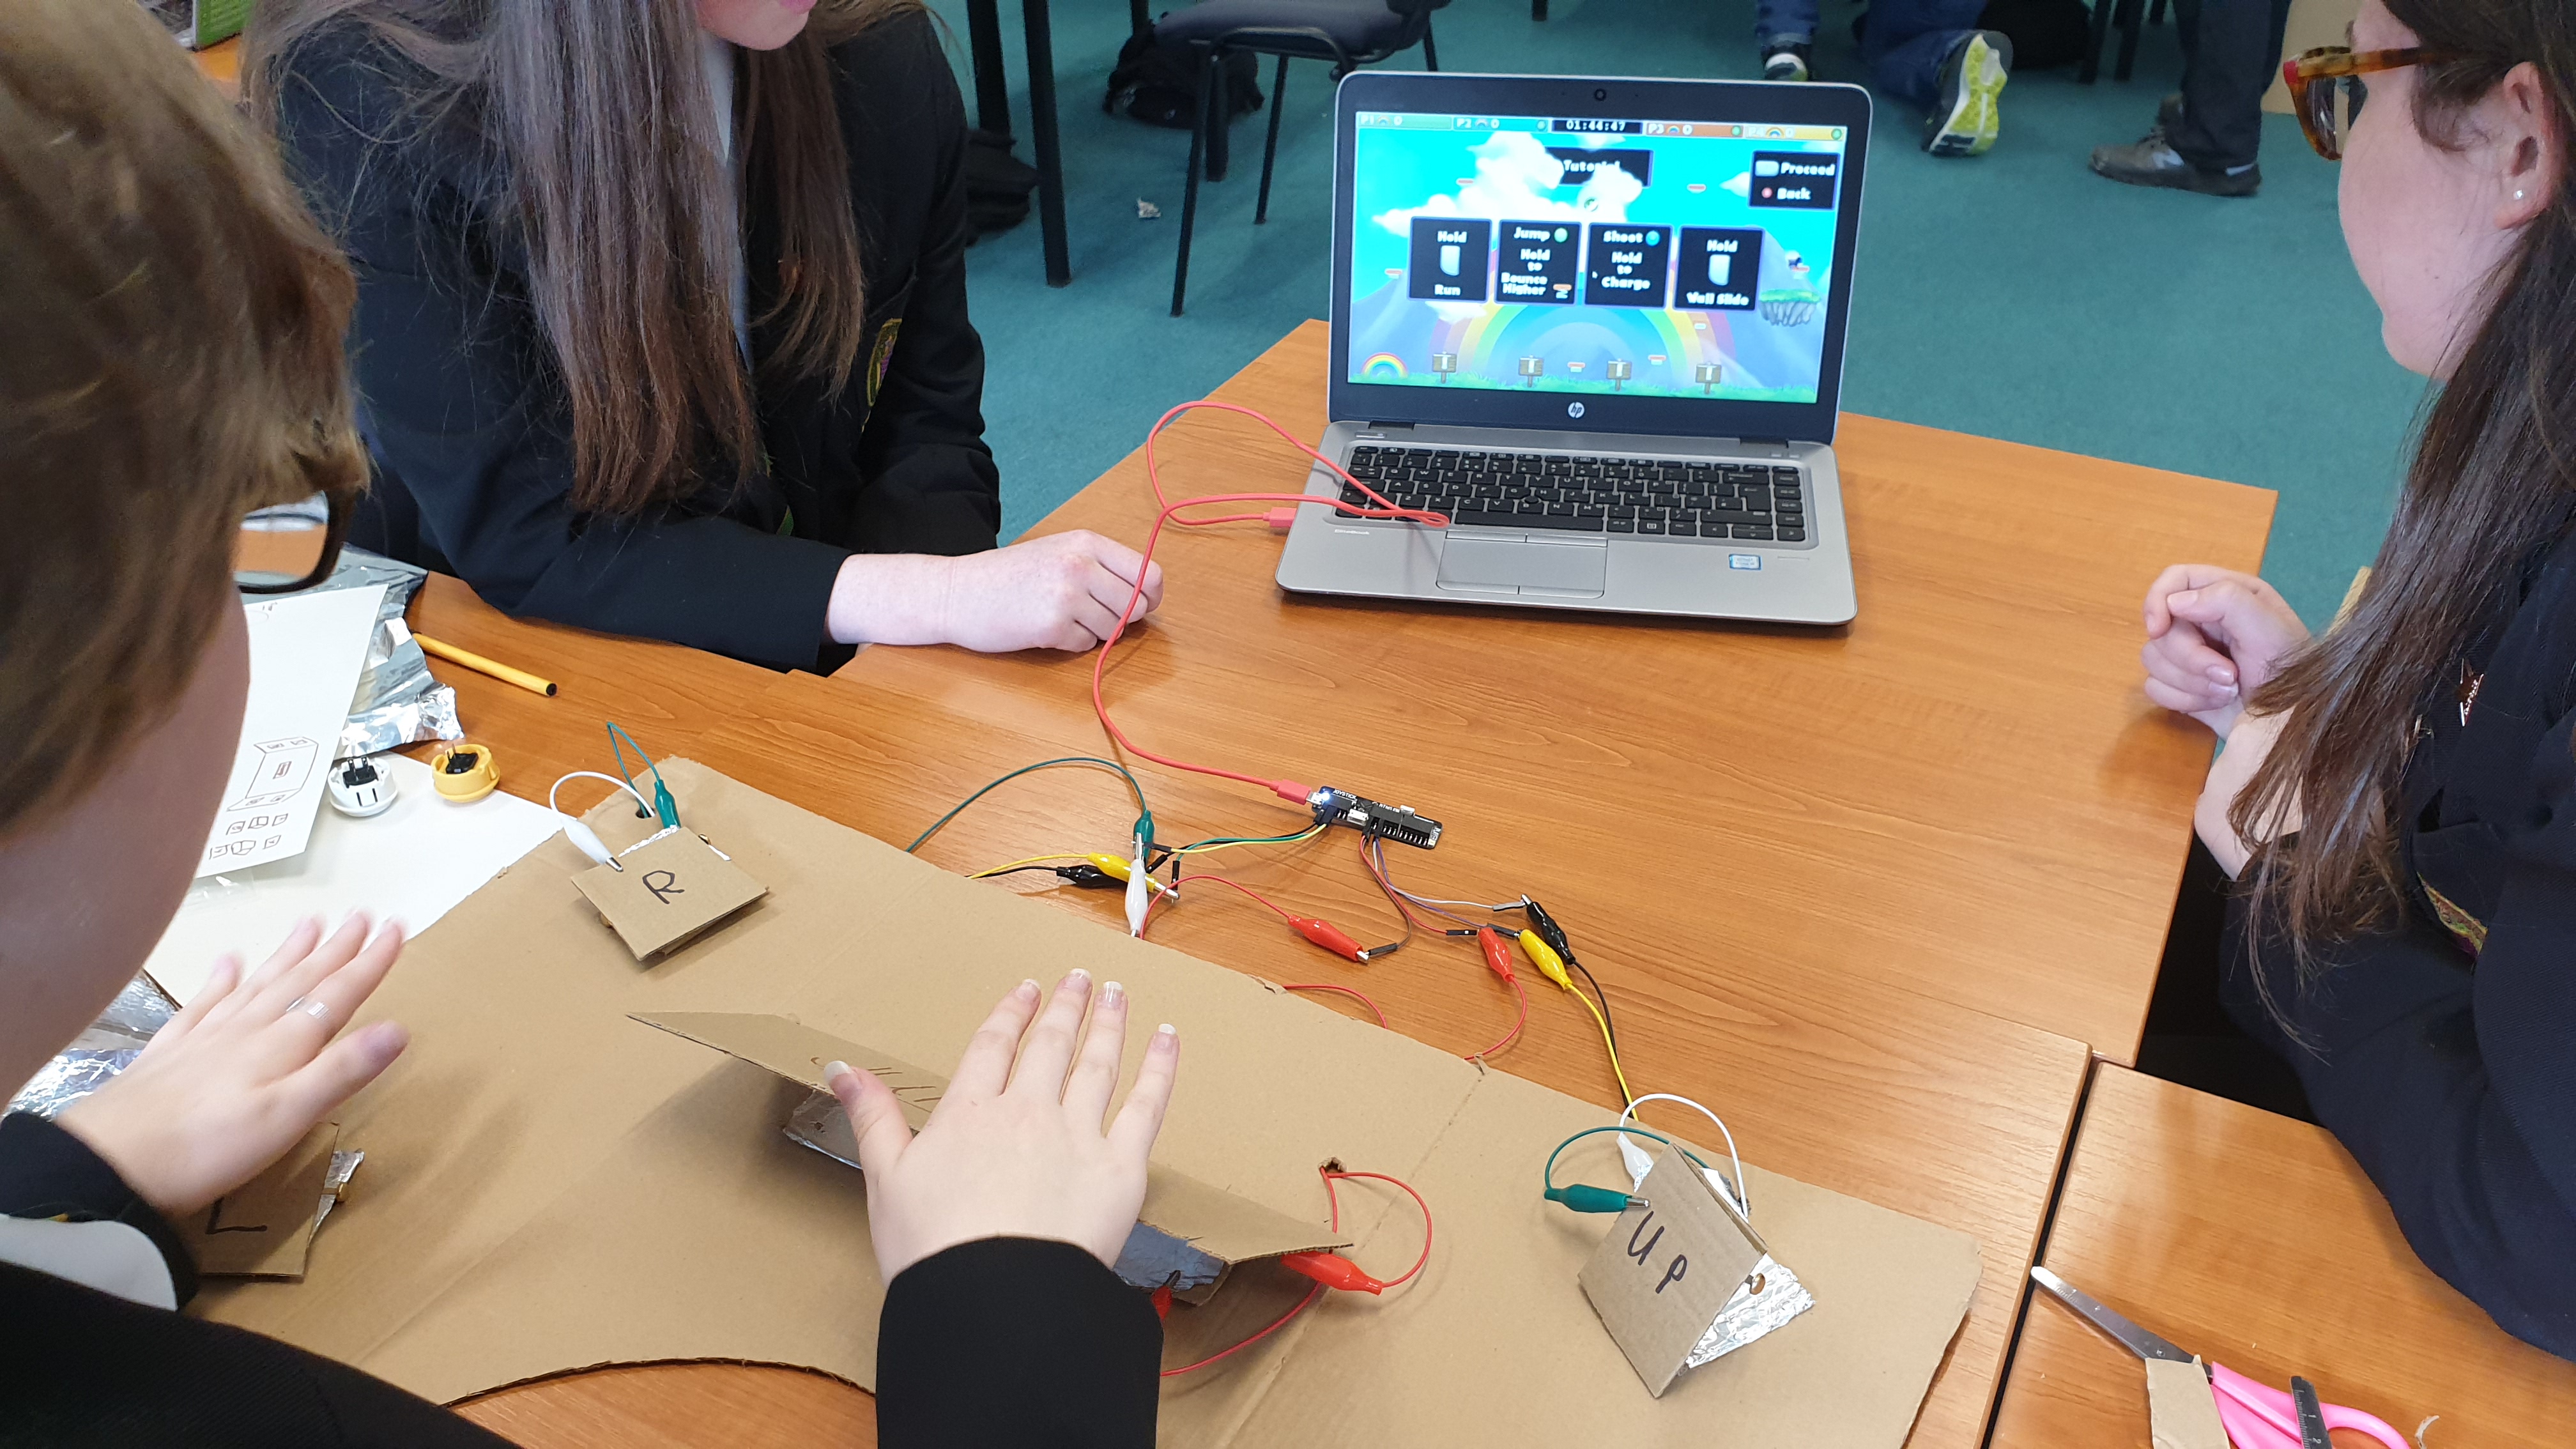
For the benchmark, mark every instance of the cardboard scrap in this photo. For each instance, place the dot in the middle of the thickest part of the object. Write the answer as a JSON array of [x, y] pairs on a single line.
[[552, 1187], [264, 1228], [2181, 1411]]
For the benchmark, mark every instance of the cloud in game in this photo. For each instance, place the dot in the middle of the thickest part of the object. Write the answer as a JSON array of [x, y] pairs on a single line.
[[1517, 179]]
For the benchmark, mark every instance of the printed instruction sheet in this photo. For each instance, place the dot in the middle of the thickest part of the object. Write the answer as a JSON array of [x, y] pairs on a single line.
[[305, 654]]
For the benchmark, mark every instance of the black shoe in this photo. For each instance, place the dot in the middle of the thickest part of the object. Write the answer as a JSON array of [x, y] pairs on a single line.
[[2153, 163], [1787, 58], [1972, 81]]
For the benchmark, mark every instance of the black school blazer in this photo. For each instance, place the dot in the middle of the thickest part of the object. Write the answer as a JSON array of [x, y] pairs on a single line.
[[2442, 1048], [466, 418]]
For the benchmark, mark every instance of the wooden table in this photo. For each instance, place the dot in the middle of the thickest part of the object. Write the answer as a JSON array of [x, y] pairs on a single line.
[[2256, 1242], [1870, 892]]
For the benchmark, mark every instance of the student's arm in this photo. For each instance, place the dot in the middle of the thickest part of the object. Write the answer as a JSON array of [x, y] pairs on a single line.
[[995, 1227], [1007, 1342], [457, 403], [2455, 1089]]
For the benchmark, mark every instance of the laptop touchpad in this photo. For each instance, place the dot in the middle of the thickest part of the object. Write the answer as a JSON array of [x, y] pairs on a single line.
[[1575, 566]]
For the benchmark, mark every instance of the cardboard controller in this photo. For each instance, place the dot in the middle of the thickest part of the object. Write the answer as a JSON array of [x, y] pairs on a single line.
[[552, 1187], [1186, 1237]]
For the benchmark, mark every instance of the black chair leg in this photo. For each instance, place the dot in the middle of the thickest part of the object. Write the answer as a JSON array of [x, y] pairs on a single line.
[[1270, 149], [2131, 13], [1538, 9], [1430, 51], [1138, 22], [2156, 13], [1218, 107], [1190, 186], [2089, 70]]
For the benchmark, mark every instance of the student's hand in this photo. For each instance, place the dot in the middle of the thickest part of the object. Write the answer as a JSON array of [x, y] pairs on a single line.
[[1015, 1149], [245, 1070], [2214, 637], [1063, 591]]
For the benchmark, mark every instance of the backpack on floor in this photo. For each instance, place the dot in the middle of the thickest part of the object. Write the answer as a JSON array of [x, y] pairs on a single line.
[[1159, 81]]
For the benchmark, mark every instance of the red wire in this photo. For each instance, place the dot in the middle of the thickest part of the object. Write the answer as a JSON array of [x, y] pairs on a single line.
[[1334, 1201], [1515, 1033], [1287, 789], [1409, 1273], [1345, 990], [1247, 890]]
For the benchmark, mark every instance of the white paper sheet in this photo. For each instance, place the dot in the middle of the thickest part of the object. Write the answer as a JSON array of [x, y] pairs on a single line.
[[305, 654], [413, 864]]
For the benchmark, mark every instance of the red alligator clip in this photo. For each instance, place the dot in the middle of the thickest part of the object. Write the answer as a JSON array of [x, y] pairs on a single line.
[[1333, 1271], [1498, 952], [1328, 936]]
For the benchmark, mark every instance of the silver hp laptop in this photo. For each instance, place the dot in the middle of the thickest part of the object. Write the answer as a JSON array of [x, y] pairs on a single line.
[[1599, 325]]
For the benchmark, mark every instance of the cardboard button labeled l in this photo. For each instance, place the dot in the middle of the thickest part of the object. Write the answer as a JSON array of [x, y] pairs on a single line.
[[662, 894]]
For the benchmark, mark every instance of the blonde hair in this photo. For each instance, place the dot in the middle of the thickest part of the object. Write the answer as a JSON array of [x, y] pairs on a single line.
[[174, 361]]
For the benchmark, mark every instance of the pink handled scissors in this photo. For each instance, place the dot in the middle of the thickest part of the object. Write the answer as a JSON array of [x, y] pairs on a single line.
[[2256, 1417]]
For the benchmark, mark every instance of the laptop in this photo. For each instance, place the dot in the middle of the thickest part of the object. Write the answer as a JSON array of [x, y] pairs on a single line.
[[1599, 325]]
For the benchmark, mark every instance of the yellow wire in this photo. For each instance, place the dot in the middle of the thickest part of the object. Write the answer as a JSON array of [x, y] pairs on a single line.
[[1016, 864], [1298, 839], [1607, 1045]]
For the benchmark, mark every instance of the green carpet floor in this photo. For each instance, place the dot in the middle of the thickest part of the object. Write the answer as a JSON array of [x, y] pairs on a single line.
[[2014, 295]]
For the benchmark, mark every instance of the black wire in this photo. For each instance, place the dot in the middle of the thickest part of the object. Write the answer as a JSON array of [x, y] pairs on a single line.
[[1014, 870], [1607, 1028]]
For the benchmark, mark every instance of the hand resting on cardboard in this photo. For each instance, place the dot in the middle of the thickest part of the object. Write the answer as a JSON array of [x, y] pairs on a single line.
[[247, 1069], [1015, 1149]]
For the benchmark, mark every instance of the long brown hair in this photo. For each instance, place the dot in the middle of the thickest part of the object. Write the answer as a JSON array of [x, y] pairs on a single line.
[[2492, 482], [173, 362], [597, 118]]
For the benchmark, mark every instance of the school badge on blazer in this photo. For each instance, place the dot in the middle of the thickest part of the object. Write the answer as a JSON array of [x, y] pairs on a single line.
[[881, 356]]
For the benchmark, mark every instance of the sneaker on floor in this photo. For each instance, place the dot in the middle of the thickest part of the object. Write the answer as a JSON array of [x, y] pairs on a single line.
[[2153, 163], [1970, 115], [1788, 58]]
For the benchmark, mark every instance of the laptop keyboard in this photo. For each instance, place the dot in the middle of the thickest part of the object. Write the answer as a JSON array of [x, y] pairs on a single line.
[[1580, 493]]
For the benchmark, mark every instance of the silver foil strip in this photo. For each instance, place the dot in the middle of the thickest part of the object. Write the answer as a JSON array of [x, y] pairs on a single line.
[[74, 1073], [107, 1047], [1767, 1299], [335, 1182], [396, 701]]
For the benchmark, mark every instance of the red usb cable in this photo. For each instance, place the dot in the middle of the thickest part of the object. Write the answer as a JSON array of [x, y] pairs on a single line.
[[1285, 789]]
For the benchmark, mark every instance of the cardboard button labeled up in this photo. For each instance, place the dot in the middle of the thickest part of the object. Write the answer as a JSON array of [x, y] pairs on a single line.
[[660, 895], [1667, 1269]]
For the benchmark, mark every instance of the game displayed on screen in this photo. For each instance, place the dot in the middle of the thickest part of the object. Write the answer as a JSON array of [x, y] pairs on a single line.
[[1583, 255]]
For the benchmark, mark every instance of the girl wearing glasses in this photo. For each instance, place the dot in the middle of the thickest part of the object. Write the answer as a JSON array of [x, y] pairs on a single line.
[[661, 323], [2396, 801]]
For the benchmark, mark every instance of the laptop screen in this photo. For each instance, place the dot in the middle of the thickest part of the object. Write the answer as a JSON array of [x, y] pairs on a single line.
[[1592, 255]]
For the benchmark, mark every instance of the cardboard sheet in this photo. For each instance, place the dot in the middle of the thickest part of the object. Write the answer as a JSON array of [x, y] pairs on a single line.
[[553, 1187]]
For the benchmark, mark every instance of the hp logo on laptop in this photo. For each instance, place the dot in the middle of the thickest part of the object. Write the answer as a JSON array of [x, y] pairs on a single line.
[[1574, 410]]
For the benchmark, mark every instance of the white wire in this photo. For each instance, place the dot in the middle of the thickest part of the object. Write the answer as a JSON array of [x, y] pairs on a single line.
[[1471, 905], [1737, 1198], [595, 775]]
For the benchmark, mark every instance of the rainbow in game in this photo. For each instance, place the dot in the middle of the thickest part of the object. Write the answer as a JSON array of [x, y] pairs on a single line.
[[1383, 367]]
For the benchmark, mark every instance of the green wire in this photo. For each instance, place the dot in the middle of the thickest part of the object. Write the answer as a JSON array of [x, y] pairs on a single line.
[[1144, 816], [665, 808], [1547, 1177]]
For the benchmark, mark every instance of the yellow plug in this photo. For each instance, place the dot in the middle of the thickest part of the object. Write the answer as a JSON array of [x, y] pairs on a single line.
[[1119, 868], [1544, 957]]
